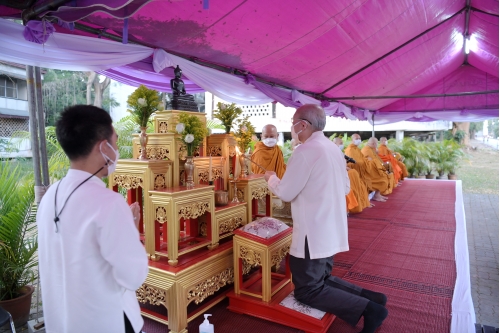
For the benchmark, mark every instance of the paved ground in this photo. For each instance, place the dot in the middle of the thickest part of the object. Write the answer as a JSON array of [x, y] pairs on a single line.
[[481, 212]]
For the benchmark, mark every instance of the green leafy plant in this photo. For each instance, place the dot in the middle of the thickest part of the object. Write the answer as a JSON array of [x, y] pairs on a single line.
[[143, 102], [227, 114], [192, 131], [287, 150], [243, 134], [18, 240]]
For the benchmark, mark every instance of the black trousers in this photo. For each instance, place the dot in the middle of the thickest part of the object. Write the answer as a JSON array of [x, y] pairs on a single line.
[[316, 287], [128, 325]]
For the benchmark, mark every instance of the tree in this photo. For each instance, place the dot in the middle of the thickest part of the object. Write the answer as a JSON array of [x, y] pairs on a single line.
[[93, 81], [474, 128], [462, 127], [493, 127]]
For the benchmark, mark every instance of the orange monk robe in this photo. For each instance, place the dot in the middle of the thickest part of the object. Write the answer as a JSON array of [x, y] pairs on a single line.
[[361, 165], [404, 171], [358, 187], [351, 201], [385, 155], [381, 180], [269, 158]]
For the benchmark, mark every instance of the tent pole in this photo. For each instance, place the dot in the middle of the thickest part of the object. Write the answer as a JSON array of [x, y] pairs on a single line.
[[373, 124], [41, 128], [33, 125]]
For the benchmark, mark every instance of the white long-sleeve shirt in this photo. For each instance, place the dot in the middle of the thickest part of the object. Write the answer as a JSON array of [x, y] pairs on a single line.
[[316, 183], [91, 267]]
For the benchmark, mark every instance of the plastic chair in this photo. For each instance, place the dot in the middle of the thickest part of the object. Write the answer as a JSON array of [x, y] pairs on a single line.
[[5, 318]]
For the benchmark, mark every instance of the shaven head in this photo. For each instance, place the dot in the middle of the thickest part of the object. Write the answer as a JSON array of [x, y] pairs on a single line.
[[356, 136], [383, 140], [269, 131], [312, 113], [372, 142], [338, 141]]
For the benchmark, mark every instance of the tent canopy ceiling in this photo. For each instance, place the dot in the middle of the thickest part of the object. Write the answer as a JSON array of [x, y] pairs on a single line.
[[333, 49]]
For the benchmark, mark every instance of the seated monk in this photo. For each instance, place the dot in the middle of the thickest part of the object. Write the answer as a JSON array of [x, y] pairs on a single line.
[[386, 155], [357, 199], [382, 180], [366, 168], [400, 159], [268, 154]]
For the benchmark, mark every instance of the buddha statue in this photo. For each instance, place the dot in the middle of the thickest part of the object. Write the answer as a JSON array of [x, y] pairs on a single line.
[[181, 100]]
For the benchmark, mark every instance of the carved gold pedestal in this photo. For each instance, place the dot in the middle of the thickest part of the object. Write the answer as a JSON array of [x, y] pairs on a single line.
[[183, 219], [176, 287], [229, 218], [250, 189], [223, 145], [138, 177], [251, 251]]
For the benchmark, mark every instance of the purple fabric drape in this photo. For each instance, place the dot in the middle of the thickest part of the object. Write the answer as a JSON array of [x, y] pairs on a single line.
[[38, 31]]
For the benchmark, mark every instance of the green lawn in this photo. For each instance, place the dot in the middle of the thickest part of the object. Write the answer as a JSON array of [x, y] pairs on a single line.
[[479, 173]]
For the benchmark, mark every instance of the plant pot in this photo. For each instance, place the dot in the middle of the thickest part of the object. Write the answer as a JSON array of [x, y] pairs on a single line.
[[452, 177], [442, 177], [420, 177], [430, 177], [19, 307], [189, 169]]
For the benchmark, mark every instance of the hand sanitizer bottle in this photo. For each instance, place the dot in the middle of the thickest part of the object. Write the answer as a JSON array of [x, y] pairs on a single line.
[[206, 327]]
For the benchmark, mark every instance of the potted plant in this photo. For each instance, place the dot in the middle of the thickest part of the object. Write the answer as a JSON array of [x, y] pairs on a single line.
[[143, 102], [18, 242], [227, 114], [192, 131]]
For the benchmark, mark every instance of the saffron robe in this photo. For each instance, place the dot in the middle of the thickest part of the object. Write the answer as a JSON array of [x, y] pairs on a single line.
[[386, 155], [381, 180], [350, 199], [362, 165], [358, 187], [269, 158]]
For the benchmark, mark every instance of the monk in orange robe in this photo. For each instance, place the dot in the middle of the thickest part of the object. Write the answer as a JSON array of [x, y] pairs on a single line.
[[382, 180], [358, 188], [400, 159], [387, 155], [365, 167], [268, 154]]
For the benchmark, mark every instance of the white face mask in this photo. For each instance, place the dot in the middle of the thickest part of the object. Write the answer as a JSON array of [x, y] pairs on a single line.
[[357, 142], [269, 142], [341, 147], [293, 129], [111, 163]]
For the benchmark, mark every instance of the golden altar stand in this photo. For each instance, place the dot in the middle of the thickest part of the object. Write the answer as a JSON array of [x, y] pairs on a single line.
[[187, 238]]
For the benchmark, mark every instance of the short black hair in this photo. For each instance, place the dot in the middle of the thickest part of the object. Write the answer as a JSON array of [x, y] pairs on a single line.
[[80, 127]]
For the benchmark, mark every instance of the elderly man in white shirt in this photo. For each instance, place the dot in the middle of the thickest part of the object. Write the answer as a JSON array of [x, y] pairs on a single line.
[[316, 183], [91, 259]]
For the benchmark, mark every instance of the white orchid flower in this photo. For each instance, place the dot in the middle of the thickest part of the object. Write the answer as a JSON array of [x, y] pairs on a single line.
[[189, 138], [179, 128], [141, 101]]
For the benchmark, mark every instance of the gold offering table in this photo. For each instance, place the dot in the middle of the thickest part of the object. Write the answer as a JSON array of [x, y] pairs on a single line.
[[250, 189], [265, 294]]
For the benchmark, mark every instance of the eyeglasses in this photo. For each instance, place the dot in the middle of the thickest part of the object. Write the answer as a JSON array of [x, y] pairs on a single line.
[[302, 119]]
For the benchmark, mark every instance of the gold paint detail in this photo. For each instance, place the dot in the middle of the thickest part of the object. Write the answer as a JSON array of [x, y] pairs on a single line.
[[160, 182], [154, 296], [250, 256], [128, 182], [156, 152], [210, 286], [214, 151], [278, 255], [216, 174], [161, 214], [193, 210], [162, 127], [230, 225], [232, 151], [260, 193], [241, 195]]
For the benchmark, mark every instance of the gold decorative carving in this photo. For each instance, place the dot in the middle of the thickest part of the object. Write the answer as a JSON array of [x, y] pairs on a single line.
[[128, 182], [250, 256], [230, 225], [216, 174], [162, 127], [151, 295], [277, 257], [193, 210], [232, 151], [208, 287], [246, 267], [156, 152], [203, 229], [260, 193], [241, 195], [161, 214], [214, 151], [160, 182]]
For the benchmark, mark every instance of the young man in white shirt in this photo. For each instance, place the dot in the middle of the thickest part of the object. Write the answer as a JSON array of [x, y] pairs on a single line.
[[90, 257], [316, 183]]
